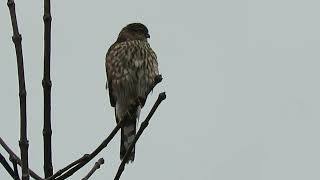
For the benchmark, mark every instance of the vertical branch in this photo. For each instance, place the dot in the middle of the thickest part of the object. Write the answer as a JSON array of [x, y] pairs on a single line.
[[23, 142], [46, 84]]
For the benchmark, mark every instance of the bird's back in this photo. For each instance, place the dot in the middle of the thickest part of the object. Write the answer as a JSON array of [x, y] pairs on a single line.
[[132, 66]]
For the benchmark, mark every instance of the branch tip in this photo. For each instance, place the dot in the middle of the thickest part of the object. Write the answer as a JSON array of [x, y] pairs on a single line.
[[158, 79], [162, 96], [100, 161], [94, 168]]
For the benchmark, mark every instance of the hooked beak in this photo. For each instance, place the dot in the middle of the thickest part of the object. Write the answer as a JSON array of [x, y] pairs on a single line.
[[148, 35]]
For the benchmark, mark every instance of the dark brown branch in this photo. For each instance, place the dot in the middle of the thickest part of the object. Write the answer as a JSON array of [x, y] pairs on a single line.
[[15, 168], [86, 158], [46, 84], [6, 165], [93, 154], [58, 173], [23, 142], [144, 124], [157, 80], [17, 159], [94, 168]]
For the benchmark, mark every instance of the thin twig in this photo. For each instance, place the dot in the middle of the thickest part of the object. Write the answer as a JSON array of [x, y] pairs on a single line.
[[94, 168], [23, 142], [15, 167], [6, 165], [14, 156], [144, 124], [157, 80], [58, 173], [46, 84], [86, 158], [93, 154]]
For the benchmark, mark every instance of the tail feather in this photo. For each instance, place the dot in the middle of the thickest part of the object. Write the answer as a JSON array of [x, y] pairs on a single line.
[[128, 132], [130, 115]]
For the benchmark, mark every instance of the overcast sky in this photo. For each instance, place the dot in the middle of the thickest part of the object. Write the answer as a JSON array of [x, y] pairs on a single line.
[[242, 83]]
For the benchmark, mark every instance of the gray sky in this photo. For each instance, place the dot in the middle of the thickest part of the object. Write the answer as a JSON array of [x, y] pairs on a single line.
[[241, 79]]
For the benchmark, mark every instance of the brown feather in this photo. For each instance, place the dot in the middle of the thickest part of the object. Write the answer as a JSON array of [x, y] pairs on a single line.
[[131, 66]]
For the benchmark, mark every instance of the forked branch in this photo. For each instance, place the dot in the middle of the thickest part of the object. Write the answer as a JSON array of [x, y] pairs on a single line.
[[17, 159], [15, 168], [86, 158]]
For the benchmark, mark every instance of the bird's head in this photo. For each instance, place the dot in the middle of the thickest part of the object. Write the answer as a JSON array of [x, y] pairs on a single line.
[[133, 31]]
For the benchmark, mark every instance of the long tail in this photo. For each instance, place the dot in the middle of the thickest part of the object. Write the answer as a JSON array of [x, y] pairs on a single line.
[[128, 132]]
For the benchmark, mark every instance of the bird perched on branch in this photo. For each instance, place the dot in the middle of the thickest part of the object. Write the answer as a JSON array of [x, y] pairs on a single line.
[[131, 67]]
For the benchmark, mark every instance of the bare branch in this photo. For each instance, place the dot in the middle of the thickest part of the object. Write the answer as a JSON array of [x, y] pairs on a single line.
[[6, 165], [157, 80], [94, 168], [76, 165], [23, 142], [58, 173], [15, 168], [17, 159], [144, 124], [93, 154], [46, 84]]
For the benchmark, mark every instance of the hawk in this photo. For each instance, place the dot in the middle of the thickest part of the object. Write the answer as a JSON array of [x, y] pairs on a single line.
[[131, 67]]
